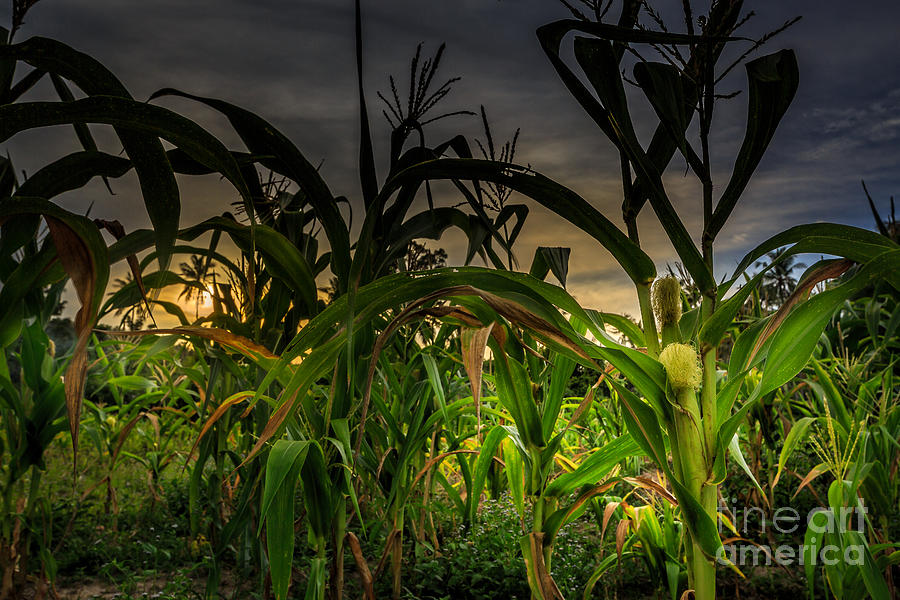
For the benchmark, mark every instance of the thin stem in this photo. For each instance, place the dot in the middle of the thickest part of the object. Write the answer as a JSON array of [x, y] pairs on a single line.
[[706, 111], [628, 212]]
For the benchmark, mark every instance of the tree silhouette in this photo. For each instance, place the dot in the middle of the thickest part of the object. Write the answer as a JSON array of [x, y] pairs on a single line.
[[195, 275], [778, 282], [419, 257], [134, 315]]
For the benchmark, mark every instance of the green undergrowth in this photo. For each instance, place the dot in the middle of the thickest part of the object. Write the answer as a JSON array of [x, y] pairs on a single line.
[[140, 546]]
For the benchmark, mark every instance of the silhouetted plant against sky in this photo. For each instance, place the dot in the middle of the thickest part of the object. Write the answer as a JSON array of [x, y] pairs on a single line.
[[412, 116], [306, 429], [886, 227]]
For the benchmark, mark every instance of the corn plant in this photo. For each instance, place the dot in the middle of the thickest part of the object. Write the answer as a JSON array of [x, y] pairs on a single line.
[[417, 424], [852, 427], [841, 528], [33, 405], [75, 246], [32, 414], [650, 532], [537, 431], [309, 418], [697, 416]]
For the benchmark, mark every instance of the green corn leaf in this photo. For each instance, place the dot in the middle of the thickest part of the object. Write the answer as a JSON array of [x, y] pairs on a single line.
[[795, 339], [79, 247], [859, 245], [429, 224], [812, 545], [23, 85], [283, 466], [594, 468], [623, 33], [740, 353], [734, 449], [565, 515], [7, 67], [597, 59], [452, 493], [791, 441], [129, 115], [395, 290], [551, 260], [872, 574], [315, 585], [33, 357], [367, 174], [221, 260], [132, 382], [773, 82], [434, 377], [82, 132], [130, 294], [282, 258], [515, 475], [173, 309], [561, 372], [520, 212], [662, 84], [690, 324], [546, 192], [72, 172], [642, 424], [644, 372], [158, 186], [317, 492], [482, 465], [261, 138], [714, 328], [550, 37], [605, 565], [645, 429], [316, 365], [673, 575], [11, 323], [514, 390], [8, 179], [465, 472], [625, 326]]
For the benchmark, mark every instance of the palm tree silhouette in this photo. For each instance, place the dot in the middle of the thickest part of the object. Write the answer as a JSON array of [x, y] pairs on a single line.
[[134, 315], [195, 274], [778, 282]]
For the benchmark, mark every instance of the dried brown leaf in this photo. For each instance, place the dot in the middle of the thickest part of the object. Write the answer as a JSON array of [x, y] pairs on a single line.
[[474, 342], [362, 566], [79, 265]]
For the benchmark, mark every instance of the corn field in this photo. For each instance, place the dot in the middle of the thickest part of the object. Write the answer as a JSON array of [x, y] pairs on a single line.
[[329, 410]]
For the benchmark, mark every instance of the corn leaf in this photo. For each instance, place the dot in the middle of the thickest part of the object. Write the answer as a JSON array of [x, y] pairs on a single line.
[[773, 82]]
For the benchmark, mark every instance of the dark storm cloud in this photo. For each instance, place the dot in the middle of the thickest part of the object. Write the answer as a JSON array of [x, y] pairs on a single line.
[[293, 63]]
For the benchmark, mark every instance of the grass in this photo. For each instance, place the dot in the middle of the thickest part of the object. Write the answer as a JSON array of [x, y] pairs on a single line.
[[146, 550]]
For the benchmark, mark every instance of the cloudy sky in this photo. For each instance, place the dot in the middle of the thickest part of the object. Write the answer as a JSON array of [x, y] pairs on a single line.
[[292, 62]]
